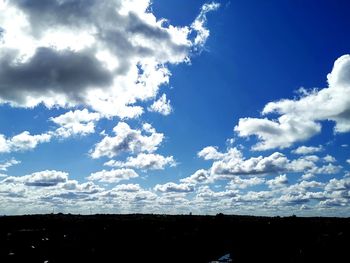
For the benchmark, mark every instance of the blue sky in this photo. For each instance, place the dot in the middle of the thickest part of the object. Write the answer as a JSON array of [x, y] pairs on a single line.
[[175, 107]]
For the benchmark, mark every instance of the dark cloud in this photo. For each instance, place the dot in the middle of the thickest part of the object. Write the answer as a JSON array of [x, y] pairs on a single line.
[[43, 14], [50, 71]]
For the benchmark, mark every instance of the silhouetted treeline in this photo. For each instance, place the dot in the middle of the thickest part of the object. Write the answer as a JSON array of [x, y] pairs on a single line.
[[172, 238]]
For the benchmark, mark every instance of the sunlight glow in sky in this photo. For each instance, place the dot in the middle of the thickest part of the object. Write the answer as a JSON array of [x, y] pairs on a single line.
[[125, 106]]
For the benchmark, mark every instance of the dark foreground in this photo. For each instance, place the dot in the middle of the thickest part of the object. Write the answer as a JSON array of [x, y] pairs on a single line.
[[158, 238]]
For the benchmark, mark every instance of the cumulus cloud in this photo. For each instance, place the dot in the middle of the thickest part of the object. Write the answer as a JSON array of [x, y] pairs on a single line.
[[41, 179], [300, 119], [162, 106], [307, 176], [22, 142], [298, 194], [338, 185], [210, 153], [105, 55], [78, 122], [329, 159], [232, 163], [208, 194], [174, 188], [274, 163], [326, 169], [239, 183], [130, 194], [144, 161], [277, 134], [127, 140], [308, 149], [128, 188], [279, 181], [113, 176], [199, 176], [348, 161]]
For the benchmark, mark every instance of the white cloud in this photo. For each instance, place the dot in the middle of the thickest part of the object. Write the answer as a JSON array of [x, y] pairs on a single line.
[[199, 24], [127, 188], [307, 176], [274, 163], [75, 122], [326, 169], [25, 141], [72, 123], [329, 159], [239, 183], [256, 196], [303, 164], [277, 134], [348, 161], [232, 163], [300, 119], [207, 194], [174, 188], [5, 165], [144, 161], [210, 153], [22, 142], [41, 179], [308, 149], [338, 185], [113, 176], [305, 185], [162, 106], [331, 203], [278, 181], [127, 140], [105, 55], [129, 195], [199, 176]]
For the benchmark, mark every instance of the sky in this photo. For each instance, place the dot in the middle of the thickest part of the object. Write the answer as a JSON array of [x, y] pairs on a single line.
[[139, 106]]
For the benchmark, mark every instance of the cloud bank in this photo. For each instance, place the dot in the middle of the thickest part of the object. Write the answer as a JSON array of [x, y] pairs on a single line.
[[104, 55]]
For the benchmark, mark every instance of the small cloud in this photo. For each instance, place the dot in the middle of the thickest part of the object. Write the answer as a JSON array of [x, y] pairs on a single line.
[[78, 122], [40, 179], [145, 161], [198, 25], [279, 181], [162, 106], [210, 153], [329, 159], [303, 150], [4, 166], [199, 176], [307, 176], [113, 176], [127, 140], [174, 188], [22, 142]]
